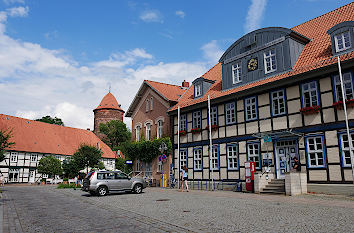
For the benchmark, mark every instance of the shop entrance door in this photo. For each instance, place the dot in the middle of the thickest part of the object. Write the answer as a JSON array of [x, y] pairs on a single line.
[[285, 152]]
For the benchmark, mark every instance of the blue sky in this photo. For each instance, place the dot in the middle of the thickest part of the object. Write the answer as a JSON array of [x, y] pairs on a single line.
[[57, 57]]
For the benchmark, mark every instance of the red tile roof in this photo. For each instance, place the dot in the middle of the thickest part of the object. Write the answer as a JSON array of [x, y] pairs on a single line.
[[169, 91], [316, 54], [39, 137], [109, 102]]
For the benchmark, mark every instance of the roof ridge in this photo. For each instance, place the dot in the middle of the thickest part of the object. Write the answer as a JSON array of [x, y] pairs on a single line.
[[161, 83], [41, 122], [322, 15]]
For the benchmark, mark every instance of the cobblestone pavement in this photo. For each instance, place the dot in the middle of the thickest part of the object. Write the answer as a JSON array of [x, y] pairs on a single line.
[[46, 209]]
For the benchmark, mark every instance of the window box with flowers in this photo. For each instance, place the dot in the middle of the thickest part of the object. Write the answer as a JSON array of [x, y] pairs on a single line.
[[310, 110], [196, 130], [213, 127], [339, 104], [182, 132]]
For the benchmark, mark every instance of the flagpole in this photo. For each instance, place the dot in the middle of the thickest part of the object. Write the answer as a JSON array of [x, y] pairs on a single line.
[[211, 146], [346, 118], [179, 154]]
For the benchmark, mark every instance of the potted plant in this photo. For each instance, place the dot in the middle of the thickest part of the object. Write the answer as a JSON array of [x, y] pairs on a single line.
[[43, 181], [213, 127], [196, 130], [182, 132], [338, 105], [310, 110]]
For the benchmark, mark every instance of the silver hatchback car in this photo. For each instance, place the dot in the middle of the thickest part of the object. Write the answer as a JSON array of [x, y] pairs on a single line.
[[103, 182]]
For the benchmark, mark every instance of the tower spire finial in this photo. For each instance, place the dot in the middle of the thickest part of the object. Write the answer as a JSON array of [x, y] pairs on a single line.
[[109, 87]]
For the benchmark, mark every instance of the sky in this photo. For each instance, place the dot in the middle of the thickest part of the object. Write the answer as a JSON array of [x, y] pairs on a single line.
[[59, 57]]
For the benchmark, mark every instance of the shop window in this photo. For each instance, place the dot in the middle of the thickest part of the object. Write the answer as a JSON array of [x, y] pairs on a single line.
[[197, 157], [315, 152], [232, 157], [254, 153]]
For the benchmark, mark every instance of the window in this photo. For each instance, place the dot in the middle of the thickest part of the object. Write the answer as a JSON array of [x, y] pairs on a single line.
[[197, 90], [197, 119], [251, 108], [232, 157], [120, 176], [315, 152], [159, 128], [137, 131], [348, 86], [183, 158], [346, 161], [183, 122], [230, 113], [33, 157], [14, 175], [58, 157], [98, 146], [309, 94], [342, 41], [214, 160], [278, 102], [147, 105], [148, 131], [148, 168], [159, 166], [253, 153], [13, 157], [198, 155], [236, 73], [213, 115], [151, 104], [270, 62]]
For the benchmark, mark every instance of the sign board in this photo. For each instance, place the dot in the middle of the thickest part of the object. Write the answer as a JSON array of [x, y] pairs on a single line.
[[129, 162], [267, 138]]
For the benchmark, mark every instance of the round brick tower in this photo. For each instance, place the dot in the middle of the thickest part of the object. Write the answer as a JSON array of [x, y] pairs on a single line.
[[107, 110]]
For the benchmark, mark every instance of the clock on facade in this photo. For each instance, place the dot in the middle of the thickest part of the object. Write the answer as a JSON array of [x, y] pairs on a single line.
[[252, 64]]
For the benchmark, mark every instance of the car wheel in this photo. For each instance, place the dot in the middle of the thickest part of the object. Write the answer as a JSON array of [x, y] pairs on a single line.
[[93, 193], [102, 191], [138, 188]]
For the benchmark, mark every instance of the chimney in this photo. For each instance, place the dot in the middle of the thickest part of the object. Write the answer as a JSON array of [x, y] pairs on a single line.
[[185, 84], [88, 129]]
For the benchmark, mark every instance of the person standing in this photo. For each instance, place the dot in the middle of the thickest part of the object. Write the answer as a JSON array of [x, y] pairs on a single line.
[[2, 180], [297, 164], [184, 178]]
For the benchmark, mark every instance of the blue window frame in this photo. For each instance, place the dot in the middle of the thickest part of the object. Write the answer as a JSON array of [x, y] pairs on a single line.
[[348, 81], [278, 102], [232, 157], [230, 113], [183, 153], [344, 148], [213, 115], [183, 122], [310, 94], [315, 151], [214, 158], [251, 108], [198, 159], [254, 153], [197, 119]]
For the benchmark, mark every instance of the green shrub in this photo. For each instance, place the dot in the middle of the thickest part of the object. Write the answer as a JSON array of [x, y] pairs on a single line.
[[68, 186], [66, 179]]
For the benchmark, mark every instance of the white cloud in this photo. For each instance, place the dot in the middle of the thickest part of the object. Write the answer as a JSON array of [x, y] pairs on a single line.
[[35, 81], [18, 11], [212, 52], [181, 14], [255, 15], [153, 16], [8, 2]]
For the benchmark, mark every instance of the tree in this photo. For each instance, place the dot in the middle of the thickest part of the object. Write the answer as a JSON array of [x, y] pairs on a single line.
[[50, 120], [100, 165], [71, 167], [50, 165], [5, 142], [87, 156], [121, 165], [116, 132]]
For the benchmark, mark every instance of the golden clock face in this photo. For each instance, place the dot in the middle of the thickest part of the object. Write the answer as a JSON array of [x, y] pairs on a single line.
[[252, 64]]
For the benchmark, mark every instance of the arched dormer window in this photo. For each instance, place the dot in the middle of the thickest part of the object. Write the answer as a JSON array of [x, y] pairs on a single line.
[[342, 37]]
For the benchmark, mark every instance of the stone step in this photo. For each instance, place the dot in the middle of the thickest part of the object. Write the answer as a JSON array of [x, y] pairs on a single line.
[[274, 189], [272, 192]]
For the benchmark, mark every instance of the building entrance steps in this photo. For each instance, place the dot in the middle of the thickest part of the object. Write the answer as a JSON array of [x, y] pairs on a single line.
[[275, 186]]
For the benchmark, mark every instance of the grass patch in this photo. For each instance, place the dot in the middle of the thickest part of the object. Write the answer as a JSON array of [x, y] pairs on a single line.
[[68, 186]]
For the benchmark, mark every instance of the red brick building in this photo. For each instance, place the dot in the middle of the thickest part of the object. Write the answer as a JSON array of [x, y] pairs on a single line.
[[150, 120]]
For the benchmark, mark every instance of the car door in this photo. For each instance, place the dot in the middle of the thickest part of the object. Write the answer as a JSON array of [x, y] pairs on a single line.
[[124, 181], [111, 181]]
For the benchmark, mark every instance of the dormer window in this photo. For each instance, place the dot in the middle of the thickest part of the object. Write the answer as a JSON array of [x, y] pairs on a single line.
[[342, 41], [270, 63], [197, 90], [236, 73]]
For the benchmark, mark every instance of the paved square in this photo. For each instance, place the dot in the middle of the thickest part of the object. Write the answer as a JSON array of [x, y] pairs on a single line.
[[47, 209]]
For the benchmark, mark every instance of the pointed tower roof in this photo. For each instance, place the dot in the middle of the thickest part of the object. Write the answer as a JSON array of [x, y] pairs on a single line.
[[109, 102]]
